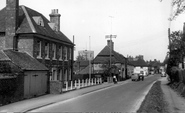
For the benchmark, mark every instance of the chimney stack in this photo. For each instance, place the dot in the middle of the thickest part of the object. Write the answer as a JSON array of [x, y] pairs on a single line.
[[11, 22], [55, 18], [110, 43]]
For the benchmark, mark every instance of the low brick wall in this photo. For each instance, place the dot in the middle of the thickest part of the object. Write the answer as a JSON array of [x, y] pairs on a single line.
[[55, 87]]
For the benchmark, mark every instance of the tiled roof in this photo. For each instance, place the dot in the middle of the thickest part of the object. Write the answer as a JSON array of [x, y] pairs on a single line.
[[2, 20], [104, 56], [155, 63], [28, 25], [85, 70], [139, 62], [103, 59], [22, 60]]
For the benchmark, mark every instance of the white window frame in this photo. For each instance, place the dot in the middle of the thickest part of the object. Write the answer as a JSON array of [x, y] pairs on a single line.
[[39, 48], [61, 74], [65, 74], [60, 52], [54, 51], [54, 74], [47, 50], [65, 53], [70, 54]]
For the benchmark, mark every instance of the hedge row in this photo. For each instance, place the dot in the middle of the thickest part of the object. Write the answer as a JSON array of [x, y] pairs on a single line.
[[181, 76]]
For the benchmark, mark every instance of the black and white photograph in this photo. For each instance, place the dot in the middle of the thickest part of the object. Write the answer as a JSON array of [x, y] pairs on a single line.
[[92, 56]]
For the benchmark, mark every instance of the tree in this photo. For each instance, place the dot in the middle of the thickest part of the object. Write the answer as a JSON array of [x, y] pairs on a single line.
[[80, 58], [178, 7], [177, 47], [176, 54]]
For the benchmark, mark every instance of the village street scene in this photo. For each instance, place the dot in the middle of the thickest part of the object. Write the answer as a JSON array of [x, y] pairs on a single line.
[[92, 56]]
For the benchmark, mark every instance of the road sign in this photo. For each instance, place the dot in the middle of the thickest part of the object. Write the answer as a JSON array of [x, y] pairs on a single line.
[[110, 36]]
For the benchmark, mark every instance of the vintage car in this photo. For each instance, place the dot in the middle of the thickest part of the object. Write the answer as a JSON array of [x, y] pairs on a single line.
[[141, 75], [135, 77]]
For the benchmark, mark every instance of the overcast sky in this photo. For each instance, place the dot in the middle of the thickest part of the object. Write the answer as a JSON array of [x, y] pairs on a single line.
[[140, 25]]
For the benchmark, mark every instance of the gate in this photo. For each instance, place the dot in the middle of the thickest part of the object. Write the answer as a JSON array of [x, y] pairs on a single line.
[[35, 83]]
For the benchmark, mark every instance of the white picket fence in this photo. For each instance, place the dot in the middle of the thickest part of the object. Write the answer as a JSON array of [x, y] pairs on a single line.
[[77, 84]]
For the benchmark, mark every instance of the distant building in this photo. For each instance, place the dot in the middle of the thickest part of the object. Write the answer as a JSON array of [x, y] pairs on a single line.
[[101, 63], [86, 54], [139, 64]]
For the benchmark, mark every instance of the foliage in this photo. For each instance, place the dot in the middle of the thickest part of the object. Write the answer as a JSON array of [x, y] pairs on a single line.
[[176, 54], [178, 8], [107, 69], [177, 47], [80, 58], [5, 68]]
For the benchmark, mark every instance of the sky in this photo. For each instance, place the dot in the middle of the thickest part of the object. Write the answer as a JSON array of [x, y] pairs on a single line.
[[140, 25]]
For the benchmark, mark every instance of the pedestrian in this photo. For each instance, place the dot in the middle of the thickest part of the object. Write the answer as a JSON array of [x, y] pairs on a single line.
[[114, 79]]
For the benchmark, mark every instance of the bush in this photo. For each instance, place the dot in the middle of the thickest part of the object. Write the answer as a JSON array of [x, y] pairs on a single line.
[[8, 87]]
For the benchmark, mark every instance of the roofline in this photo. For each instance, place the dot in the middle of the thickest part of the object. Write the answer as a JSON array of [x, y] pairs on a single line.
[[28, 19], [46, 37]]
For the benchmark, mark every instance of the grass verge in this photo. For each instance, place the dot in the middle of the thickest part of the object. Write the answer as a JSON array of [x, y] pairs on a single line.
[[154, 101]]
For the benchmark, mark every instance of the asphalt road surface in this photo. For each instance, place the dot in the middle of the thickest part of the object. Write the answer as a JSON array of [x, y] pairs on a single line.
[[125, 97]]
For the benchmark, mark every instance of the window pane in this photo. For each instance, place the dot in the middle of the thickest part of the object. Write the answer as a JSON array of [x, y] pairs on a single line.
[[38, 48], [47, 50], [60, 52], [54, 51]]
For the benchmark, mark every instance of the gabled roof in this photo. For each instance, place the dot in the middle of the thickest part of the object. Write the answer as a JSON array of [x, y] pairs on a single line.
[[155, 64], [139, 62], [104, 56], [22, 60], [85, 70], [28, 25]]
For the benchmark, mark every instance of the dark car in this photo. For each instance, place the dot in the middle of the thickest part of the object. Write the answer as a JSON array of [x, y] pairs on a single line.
[[141, 76]]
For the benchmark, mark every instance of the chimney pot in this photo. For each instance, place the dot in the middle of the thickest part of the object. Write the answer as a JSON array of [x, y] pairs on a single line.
[[55, 18]]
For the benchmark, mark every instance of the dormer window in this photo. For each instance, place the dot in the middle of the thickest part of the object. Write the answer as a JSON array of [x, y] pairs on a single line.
[[38, 20], [53, 26]]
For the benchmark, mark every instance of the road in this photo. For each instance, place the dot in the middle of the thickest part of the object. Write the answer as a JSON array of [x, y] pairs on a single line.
[[118, 98]]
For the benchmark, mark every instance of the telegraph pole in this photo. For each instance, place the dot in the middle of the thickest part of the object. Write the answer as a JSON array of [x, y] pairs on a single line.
[[110, 36], [90, 68]]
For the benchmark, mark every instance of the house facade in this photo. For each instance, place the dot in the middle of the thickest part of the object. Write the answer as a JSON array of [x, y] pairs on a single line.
[[26, 30], [101, 62]]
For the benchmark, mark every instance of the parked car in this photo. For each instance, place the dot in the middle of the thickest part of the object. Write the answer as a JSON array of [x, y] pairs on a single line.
[[135, 77]]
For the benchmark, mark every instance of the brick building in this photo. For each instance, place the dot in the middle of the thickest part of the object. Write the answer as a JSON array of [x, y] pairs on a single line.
[[26, 30]]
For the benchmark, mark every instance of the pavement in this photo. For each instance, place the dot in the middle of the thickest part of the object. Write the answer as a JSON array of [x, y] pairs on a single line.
[[176, 103], [37, 102]]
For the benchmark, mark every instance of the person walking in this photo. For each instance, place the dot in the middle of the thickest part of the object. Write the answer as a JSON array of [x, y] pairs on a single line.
[[114, 79]]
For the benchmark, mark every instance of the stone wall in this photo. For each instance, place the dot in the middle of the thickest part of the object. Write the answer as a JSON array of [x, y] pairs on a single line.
[[55, 87]]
